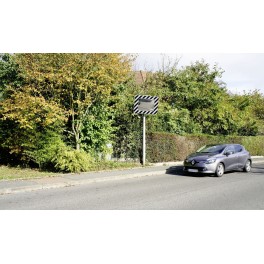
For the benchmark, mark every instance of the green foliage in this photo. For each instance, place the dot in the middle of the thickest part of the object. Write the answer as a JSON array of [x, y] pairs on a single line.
[[195, 86], [193, 99], [52, 154], [127, 126], [47, 148], [68, 94], [24, 121], [256, 101], [15, 173], [9, 73], [256, 105], [128, 137], [255, 145], [97, 130], [173, 120], [31, 112], [163, 147], [51, 104], [110, 165], [76, 81], [71, 160]]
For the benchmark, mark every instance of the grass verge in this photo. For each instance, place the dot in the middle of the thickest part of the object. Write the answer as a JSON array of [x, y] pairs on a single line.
[[17, 173]]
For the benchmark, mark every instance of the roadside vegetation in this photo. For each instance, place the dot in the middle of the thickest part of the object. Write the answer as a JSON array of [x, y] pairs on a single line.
[[22, 173], [15, 173], [71, 112]]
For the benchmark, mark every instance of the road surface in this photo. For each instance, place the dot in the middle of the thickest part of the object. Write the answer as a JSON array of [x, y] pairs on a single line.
[[171, 191]]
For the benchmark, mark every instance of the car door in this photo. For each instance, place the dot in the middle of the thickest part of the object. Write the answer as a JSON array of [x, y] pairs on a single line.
[[242, 156], [231, 160]]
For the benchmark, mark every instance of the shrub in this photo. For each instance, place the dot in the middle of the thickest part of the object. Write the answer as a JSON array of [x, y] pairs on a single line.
[[163, 147], [71, 160], [53, 154], [255, 145], [47, 148]]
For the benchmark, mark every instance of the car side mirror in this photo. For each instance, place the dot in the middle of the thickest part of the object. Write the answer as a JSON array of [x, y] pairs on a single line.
[[228, 153]]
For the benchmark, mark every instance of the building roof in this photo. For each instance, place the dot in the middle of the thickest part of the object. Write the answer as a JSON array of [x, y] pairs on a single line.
[[141, 76]]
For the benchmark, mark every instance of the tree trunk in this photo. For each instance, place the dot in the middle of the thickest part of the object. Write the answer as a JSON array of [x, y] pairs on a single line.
[[77, 141]]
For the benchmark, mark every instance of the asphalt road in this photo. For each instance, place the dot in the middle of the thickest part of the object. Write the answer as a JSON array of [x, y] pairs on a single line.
[[173, 190]]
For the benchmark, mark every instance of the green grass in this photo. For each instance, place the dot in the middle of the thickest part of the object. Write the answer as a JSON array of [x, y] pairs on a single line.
[[111, 165], [10, 173], [16, 173]]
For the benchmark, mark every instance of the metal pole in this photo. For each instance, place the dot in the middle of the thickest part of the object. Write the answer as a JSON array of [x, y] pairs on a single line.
[[144, 141]]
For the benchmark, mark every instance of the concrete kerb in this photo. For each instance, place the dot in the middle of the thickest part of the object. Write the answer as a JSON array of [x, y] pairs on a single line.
[[257, 158], [78, 182], [74, 182], [68, 182]]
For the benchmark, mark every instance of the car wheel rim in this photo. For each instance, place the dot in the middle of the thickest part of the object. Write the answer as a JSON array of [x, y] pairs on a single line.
[[220, 170], [248, 166]]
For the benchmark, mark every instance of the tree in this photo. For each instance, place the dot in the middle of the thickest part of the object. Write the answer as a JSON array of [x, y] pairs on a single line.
[[196, 86], [9, 73], [126, 125], [77, 82], [256, 100], [253, 104], [193, 99], [24, 120]]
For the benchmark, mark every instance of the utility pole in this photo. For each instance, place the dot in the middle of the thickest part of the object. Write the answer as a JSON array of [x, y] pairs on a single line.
[[144, 140]]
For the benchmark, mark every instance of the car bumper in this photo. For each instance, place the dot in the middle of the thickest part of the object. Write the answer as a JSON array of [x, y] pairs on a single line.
[[201, 168]]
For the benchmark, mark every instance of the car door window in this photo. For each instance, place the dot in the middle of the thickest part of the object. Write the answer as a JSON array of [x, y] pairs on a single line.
[[230, 149], [238, 148]]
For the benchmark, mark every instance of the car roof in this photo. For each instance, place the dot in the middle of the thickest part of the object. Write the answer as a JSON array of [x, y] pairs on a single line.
[[224, 145], [217, 144]]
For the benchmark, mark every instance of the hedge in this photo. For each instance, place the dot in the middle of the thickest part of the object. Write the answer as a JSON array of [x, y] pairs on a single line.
[[164, 147]]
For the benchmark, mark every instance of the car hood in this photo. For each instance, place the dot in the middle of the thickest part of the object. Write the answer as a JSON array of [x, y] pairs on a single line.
[[201, 156]]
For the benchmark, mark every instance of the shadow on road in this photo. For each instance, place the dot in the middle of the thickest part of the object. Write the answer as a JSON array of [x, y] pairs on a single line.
[[257, 169], [178, 171]]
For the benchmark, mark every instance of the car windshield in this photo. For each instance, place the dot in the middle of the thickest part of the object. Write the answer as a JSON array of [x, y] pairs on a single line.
[[211, 149]]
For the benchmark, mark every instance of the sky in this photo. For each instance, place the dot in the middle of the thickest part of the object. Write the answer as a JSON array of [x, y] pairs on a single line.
[[243, 72]]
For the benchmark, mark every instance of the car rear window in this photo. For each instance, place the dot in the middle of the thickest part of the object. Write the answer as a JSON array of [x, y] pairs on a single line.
[[238, 148]]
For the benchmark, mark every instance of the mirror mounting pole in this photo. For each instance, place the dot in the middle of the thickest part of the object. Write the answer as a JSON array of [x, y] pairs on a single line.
[[144, 141]]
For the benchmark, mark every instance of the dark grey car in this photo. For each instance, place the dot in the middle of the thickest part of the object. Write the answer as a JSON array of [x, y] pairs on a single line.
[[217, 159]]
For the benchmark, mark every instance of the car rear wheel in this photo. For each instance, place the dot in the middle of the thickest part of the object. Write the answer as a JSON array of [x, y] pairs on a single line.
[[247, 167], [220, 170]]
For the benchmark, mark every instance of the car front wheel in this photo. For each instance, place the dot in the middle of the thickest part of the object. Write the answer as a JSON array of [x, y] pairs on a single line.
[[220, 170], [247, 167]]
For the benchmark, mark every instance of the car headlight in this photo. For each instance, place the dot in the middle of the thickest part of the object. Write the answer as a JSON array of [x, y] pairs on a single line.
[[209, 161]]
